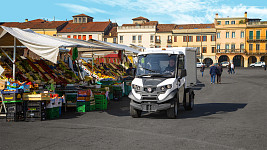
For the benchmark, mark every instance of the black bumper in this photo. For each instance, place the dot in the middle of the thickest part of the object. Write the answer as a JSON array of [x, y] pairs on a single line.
[[153, 106]]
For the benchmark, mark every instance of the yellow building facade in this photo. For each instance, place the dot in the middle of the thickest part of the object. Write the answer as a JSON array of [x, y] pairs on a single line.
[[201, 36], [256, 41]]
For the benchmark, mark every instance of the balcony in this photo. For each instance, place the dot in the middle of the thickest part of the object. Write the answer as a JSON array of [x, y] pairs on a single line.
[[169, 41], [257, 39], [231, 51], [157, 41], [253, 52]]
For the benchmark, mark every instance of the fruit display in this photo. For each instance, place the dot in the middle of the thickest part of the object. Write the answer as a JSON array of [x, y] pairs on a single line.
[[105, 71], [31, 70]]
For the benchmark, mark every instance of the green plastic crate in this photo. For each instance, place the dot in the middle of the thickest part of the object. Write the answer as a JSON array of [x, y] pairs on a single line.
[[100, 97], [92, 107]]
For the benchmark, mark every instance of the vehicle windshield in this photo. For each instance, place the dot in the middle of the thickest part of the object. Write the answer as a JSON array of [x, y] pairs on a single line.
[[157, 65]]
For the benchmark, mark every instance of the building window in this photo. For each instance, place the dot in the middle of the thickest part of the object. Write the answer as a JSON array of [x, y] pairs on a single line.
[[184, 38], [134, 39], [204, 49], [79, 37], [226, 22], [257, 47], [232, 46], [265, 46], [169, 38], [169, 46], [218, 46], [204, 38], [157, 39], [251, 35], [227, 34], [213, 38], [80, 20], [139, 38], [157, 46], [75, 20], [121, 39], [242, 34], [258, 35], [75, 36], [90, 37], [151, 38], [175, 38], [226, 46], [250, 47], [213, 49], [242, 46], [84, 37], [190, 39], [232, 22], [219, 22], [68, 36], [233, 34], [84, 20], [114, 40], [218, 35], [198, 38], [105, 40]]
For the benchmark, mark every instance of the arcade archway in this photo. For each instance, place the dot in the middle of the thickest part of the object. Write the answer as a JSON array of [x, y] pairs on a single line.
[[238, 61]]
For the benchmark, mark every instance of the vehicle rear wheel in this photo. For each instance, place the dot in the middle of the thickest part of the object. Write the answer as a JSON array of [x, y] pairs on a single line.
[[135, 113], [172, 112], [190, 104], [252, 66]]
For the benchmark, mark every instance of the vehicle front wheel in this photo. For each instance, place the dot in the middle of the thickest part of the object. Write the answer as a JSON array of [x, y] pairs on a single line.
[[253, 66], [172, 112], [135, 113]]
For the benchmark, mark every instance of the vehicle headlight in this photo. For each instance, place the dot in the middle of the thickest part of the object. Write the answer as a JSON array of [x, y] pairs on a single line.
[[136, 87], [165, 87]]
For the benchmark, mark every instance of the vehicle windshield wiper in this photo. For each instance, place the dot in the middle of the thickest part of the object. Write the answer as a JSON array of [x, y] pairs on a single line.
[[151, 75], [148, 69]]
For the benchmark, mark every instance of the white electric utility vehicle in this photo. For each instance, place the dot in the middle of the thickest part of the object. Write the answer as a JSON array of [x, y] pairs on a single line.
[[164, 79]]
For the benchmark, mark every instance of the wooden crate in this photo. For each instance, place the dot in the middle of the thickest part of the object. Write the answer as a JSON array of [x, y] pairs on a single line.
[[36, 97]]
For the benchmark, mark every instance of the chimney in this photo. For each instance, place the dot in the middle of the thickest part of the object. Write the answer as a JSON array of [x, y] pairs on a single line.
[[26, 20], [216, 15], [108, 20], [246, 15]]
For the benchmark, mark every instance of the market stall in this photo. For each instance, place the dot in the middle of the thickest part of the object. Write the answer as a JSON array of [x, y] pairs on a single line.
[[37, 88]]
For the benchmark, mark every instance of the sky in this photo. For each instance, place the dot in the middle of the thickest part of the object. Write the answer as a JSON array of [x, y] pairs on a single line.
[[122, 11]]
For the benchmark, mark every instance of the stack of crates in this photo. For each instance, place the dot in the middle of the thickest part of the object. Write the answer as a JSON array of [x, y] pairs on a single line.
[[117, 93], [15, 112], [35, 110], [54, 107], [92, 104], [100, 102], [14, 105], [83, 101]]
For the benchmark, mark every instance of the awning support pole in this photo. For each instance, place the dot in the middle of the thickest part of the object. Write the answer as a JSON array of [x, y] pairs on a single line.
[[6, 55], [14, 59]]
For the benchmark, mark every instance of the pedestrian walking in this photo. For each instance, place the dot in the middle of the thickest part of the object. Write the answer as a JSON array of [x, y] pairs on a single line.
[[202, 69], [233, 68], [219, 73], [229, 69], [213, 70]]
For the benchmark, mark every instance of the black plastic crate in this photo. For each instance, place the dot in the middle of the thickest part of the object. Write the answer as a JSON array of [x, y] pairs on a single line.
[[14, 107], [117, 94], [35, 114], [14, 117], [36, 103]]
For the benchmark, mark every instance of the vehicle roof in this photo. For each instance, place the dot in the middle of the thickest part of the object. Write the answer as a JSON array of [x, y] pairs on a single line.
[[173, 50]]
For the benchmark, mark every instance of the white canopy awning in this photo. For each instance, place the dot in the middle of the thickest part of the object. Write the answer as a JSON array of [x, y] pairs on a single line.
[[43, 45]]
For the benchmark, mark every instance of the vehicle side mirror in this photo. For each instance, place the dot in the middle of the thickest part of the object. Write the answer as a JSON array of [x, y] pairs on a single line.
[[183, 73]]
